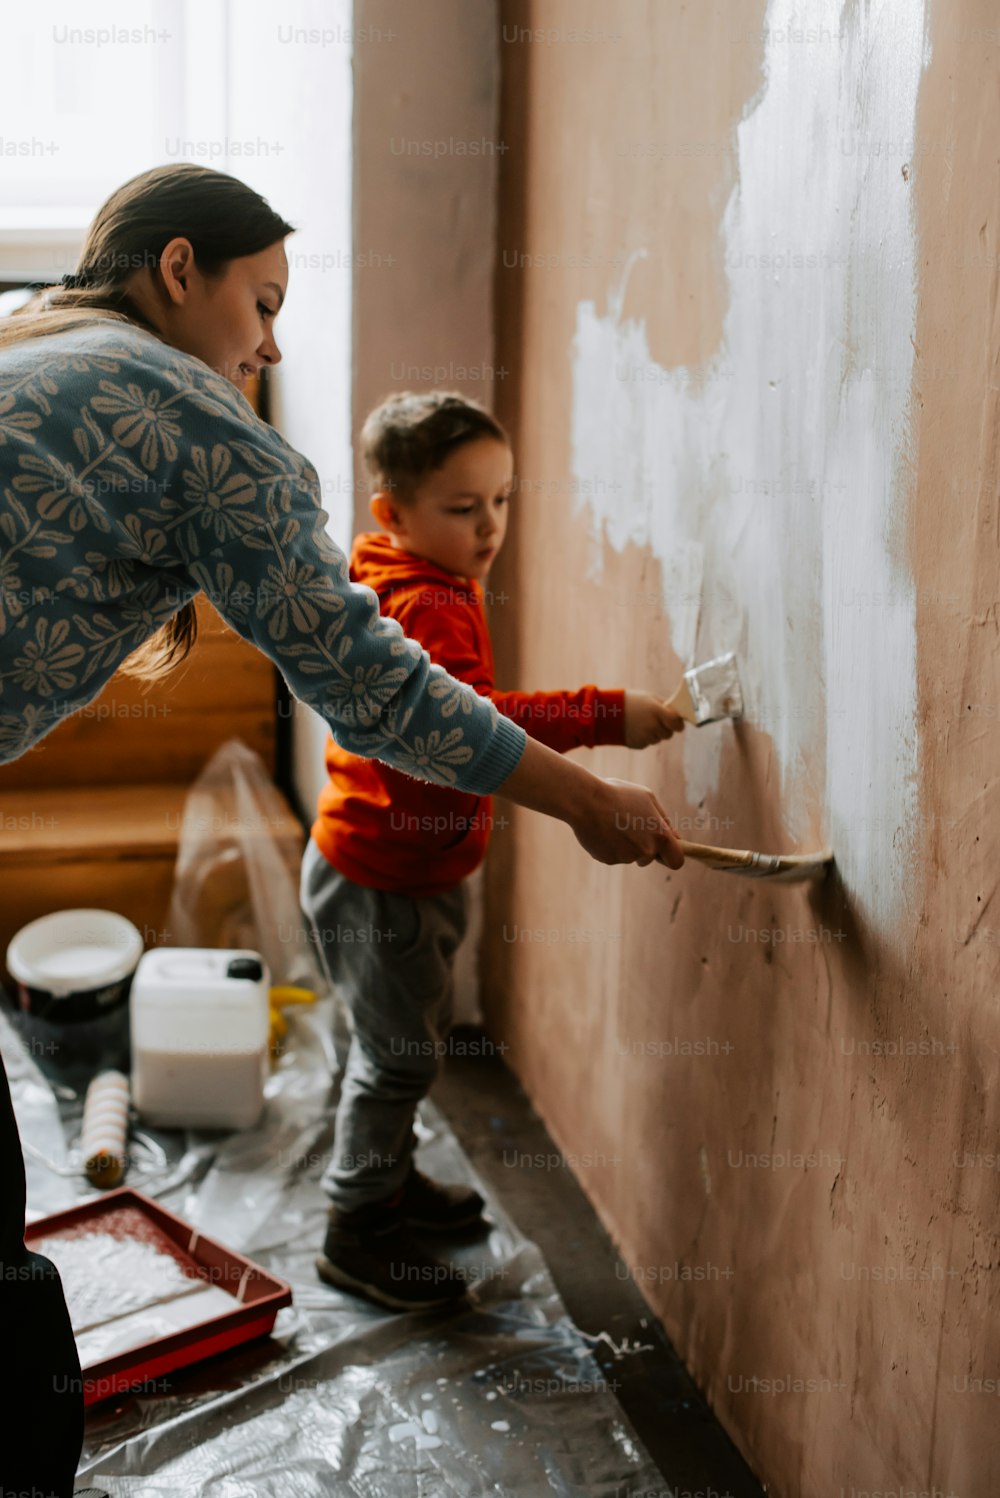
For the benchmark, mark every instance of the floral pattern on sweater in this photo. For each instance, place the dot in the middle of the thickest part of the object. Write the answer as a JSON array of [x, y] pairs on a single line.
[[132, 477]]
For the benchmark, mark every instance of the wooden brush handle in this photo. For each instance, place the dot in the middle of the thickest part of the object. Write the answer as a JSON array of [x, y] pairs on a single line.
[[789, 867], [730, 858]]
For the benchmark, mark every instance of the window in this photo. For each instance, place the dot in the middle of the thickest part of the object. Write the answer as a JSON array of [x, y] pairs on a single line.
[[93, 95]]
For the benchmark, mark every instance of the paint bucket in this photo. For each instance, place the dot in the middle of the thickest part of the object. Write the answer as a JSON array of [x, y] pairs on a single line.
[[73, 970]]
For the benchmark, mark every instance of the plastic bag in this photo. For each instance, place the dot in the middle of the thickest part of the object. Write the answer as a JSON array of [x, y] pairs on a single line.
[[236, 879]]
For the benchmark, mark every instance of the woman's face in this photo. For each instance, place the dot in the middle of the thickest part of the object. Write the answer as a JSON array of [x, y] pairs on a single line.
[[225, 320]]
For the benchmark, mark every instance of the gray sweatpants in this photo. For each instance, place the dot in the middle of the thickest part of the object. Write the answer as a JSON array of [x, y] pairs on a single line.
[[390, 957]]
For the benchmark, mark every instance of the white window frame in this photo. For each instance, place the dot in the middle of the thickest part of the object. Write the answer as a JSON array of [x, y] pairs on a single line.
[[42, 243]]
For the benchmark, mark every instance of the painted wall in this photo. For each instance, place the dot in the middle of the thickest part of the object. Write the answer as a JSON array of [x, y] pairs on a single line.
[[747, 287]]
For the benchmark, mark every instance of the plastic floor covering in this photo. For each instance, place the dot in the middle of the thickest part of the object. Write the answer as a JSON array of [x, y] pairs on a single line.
[[500, 1396]]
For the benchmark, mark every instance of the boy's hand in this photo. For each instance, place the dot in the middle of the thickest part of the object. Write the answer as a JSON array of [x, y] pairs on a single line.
[[648, 720]]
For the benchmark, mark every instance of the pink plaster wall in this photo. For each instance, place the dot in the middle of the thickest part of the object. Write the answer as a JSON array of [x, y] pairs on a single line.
[[663, 1046]]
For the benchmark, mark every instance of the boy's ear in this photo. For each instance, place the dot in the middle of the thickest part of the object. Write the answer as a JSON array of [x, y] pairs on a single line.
[[385, 511]]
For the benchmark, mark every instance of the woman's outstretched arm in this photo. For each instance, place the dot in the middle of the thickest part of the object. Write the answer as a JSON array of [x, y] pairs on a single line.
[[614, 820], [138, 478]]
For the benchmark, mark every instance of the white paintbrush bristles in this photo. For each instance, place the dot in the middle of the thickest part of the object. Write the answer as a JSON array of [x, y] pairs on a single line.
[[715, 689]]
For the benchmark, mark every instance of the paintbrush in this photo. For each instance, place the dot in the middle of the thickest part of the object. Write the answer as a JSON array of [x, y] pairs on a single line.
[[787, 868], [707, 694], [710, 692]]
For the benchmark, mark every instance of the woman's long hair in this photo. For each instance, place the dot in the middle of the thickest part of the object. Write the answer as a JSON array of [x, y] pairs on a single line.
[[224, 220]]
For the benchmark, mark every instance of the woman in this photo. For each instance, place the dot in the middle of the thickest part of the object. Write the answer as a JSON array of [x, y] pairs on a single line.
[[134, 475]]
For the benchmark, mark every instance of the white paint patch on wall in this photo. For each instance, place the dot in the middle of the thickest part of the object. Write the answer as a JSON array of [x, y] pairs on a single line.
[[772, 485]]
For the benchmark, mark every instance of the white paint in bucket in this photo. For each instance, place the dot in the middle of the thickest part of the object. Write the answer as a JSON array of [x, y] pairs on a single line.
[[72, 951]]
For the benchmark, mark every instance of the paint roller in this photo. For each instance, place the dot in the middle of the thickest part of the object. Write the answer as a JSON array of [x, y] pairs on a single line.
[[104, 1128]]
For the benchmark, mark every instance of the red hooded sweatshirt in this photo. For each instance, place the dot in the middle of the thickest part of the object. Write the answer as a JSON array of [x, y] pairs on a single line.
[[391, 831]]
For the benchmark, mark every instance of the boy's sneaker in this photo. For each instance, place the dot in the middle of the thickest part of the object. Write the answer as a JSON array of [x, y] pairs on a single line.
[[437, 1208], [370, 1252]]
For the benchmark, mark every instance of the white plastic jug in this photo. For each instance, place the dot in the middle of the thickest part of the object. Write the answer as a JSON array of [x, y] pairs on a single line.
[[200, 1025]]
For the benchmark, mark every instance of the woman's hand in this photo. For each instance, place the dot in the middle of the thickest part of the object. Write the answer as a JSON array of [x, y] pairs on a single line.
[[615, 821], [625, 823], [648, 719]]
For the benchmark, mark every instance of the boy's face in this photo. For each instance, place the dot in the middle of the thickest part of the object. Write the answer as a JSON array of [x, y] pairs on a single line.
[[457, 516]]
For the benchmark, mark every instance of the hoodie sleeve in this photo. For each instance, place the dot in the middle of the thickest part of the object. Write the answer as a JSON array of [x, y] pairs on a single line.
[[142, 477], [561, 720]]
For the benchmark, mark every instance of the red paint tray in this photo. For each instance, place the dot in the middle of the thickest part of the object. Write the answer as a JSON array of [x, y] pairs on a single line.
[[147, 1293]]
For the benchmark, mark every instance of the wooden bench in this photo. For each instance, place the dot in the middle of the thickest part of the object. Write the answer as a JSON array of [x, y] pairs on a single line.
[[91, 816]]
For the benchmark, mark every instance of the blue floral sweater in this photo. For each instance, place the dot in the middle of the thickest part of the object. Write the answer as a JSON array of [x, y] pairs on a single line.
[[132, 478]]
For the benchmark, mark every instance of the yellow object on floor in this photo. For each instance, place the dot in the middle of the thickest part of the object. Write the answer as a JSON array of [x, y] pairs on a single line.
[[278, 998]]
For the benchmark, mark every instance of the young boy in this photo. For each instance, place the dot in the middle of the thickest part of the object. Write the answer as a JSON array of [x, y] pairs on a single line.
[[382, 877]]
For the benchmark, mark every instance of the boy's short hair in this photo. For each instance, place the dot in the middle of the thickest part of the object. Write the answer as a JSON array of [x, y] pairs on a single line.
[[412, 434]]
